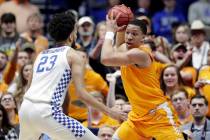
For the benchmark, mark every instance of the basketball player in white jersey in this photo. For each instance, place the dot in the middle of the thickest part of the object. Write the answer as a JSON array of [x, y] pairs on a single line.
[[41, 110]]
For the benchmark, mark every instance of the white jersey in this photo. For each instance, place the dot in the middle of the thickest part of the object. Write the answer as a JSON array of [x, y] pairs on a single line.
[[51, 76]]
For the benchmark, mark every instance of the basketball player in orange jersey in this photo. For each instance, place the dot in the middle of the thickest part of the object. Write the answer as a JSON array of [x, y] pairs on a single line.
[[151, 116]]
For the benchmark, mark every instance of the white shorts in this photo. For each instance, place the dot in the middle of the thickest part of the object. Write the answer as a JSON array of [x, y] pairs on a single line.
[[37, 118]]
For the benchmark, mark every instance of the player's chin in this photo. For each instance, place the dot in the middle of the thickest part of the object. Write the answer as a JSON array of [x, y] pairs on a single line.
[[129, 45]]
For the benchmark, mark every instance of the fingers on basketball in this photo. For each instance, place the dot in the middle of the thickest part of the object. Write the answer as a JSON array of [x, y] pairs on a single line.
[[122, 14]]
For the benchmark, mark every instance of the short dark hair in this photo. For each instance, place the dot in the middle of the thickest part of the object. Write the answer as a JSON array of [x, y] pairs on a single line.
[[8, 18], [61, 26], [198, 96], [141, 24]]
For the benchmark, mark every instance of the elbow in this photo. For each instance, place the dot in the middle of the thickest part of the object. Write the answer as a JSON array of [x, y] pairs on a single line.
[[105, 61]]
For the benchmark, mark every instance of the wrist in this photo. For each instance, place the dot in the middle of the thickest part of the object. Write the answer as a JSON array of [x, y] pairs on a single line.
[[109, 35]]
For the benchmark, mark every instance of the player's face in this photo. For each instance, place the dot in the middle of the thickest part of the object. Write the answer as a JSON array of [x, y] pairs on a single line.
[[170, 77], [133, 36], [180, 102]]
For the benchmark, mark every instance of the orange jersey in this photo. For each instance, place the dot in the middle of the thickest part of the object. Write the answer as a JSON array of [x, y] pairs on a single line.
[[204, 73], [190, 91], [41, 43], [142, 87], [191, 71], [105, 120], [93, 82]]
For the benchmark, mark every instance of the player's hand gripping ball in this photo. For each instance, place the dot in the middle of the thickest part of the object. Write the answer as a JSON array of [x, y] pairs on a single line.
[[126, 15]]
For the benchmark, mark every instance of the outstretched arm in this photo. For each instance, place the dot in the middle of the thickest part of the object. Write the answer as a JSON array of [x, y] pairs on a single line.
[[78, 63]]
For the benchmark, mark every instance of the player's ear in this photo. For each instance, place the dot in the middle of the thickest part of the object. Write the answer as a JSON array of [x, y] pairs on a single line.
[[72, 37]]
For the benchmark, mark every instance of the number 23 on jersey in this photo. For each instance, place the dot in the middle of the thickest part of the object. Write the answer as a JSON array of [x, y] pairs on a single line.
[[46, 63]]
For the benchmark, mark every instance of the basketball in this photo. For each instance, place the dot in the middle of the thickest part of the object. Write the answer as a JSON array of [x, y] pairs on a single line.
[[126, 15]]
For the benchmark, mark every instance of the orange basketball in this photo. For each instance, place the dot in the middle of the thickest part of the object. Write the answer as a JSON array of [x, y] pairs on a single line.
[[126, 15]]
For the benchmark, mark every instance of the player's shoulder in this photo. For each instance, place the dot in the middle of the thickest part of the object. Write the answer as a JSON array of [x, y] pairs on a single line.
[[75, 56]]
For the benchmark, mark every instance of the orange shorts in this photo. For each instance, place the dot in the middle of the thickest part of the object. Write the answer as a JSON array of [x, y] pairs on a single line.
[[159, 123]]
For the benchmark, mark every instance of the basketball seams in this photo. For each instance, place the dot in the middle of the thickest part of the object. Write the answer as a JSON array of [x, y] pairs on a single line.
[[126, 14]]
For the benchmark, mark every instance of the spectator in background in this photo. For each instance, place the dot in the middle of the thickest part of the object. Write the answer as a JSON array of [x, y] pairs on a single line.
[[199, 128], [200, 10], [182, 35], [7, 131], [203, 84], [34, 33], [163, 20], [99, 39], [171, 80], [22, 83], [162, 45], [30, 49], [143, 7], [200, 46], [8, 102], [22, 9], [106, 132], [182, 56], [96, 118], [23, 58], [112, 3], [8, 72], [126, 108], [180, 101], [97, 9], [9, 35], [95, 52], [3, 63], [85, 32]]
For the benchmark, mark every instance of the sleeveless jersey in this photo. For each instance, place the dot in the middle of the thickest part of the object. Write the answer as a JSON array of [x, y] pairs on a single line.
[[51, 76], [142, 87]]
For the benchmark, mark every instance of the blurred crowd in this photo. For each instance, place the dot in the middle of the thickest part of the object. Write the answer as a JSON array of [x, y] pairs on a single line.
[[178, 35]]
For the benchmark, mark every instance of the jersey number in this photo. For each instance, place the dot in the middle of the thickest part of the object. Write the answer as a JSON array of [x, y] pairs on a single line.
[[46, 63]]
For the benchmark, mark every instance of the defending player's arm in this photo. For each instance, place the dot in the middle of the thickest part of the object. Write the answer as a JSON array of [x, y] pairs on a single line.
[[78, 64]]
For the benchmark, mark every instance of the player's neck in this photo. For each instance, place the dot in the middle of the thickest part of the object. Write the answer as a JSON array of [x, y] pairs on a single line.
[[62, 43]]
